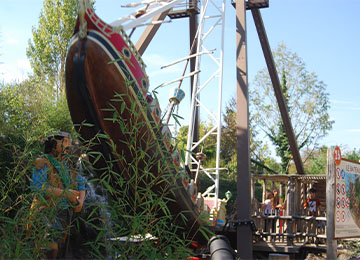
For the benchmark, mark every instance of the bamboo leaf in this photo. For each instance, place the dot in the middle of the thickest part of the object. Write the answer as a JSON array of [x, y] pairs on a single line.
[[122, 108]]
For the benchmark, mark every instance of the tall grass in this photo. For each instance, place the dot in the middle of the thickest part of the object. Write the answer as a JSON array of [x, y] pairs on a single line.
[[135, 205]]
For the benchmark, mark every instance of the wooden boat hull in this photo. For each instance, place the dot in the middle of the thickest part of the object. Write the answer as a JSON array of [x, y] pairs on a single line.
[[93, 80]]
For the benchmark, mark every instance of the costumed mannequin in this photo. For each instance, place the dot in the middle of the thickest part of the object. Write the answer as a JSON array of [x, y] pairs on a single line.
[[57, 187]]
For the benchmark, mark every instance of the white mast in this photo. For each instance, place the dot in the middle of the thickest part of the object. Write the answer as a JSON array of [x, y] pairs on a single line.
[[212, 16]]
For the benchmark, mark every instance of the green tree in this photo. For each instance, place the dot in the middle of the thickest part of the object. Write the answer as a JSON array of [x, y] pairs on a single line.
[[307, 103], [21, 106], [208, 146], [27, 110], [354, 155], [278, 135], [228, 133], [47, 50], [259, 152], [27, 115], [316, 160]]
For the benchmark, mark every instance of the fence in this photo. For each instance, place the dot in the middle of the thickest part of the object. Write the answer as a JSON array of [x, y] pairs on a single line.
[[290, 229]]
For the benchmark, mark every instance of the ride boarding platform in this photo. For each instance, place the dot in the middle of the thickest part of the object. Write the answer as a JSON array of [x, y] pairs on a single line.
[[288, 230]]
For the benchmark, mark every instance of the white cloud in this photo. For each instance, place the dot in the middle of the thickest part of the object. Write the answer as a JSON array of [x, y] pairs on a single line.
[[154, 62], [15, 71], [343, 102], [11, 41], [174, 70], [10, 76], [24, 64], [354, 130], [355, 107], [11, 37], [346, 104]]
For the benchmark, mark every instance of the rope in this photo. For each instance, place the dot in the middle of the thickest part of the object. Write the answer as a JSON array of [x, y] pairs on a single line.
[[83, 24], [196, 38]]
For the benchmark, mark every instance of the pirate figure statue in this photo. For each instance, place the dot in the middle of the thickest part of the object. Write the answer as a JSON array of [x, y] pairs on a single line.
[[58, 188]]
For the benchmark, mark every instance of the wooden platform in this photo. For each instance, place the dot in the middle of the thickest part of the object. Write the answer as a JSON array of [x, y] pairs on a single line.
[[284, 248]]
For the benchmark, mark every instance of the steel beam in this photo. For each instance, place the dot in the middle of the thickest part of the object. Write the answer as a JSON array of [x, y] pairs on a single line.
[[193, 26], [244, 232], [150, 32], [277, 89]]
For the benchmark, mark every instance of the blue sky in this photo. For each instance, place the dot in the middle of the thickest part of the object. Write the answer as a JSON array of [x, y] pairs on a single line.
[[325, 34]]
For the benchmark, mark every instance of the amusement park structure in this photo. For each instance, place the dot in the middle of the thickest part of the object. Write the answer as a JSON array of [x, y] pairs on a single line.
[[206, 18], [102, 60]]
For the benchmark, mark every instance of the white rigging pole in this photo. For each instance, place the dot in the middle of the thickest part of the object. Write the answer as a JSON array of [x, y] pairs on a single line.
[[212, 16]]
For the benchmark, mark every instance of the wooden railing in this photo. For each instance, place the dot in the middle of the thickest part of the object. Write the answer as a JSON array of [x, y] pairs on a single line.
[[290, 229]]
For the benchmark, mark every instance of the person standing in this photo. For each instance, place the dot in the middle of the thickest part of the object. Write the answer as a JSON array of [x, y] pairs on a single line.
[[276, 202], [57, 188], [312, 204], [268, 211]]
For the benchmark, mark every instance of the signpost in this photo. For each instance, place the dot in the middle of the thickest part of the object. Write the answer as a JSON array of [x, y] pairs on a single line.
[[348, 180], [342, 199], [331, 204]]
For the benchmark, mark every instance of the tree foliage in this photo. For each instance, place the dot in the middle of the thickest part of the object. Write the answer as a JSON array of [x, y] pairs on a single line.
[[208, 146], [316, 160], [307, 102], [228, 133], [27, 115], [353, 155], [27, 110], [112, 210], [47, 50], [21, 106], [278, 135], [259, 152]]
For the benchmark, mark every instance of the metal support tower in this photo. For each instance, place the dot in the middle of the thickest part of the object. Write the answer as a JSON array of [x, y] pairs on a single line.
[[212, 17]]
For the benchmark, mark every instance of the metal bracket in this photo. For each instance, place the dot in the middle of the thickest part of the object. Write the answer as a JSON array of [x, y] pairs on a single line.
[[246, 222]]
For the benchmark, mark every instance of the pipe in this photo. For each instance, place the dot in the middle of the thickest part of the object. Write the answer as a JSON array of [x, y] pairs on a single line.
[[220, 249]]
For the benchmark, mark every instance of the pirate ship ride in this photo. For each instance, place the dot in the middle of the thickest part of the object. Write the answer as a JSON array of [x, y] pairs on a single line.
[[105, 76]]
